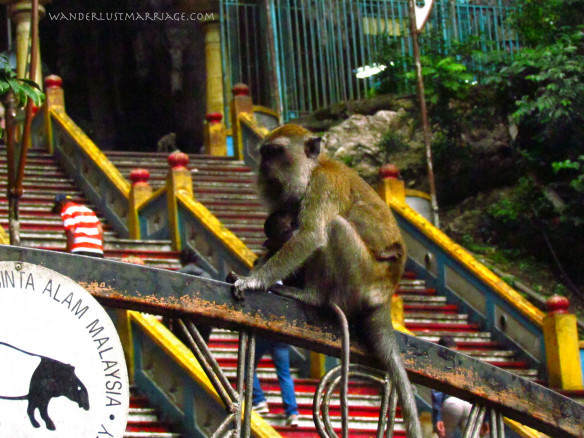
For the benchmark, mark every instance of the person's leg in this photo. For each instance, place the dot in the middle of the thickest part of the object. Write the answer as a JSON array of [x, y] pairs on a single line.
[[262, 345], [281, 355]]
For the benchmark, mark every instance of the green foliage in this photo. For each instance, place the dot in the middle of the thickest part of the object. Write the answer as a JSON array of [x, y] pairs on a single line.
[[348, 160], [445, 70], [22, 88], [521, 206], [538, 21], [390, 143], [555, 75], [444, 79], [542, 90], [577, 181]]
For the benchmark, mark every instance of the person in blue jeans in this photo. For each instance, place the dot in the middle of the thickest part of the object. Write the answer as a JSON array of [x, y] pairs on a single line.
[[278, 228], [280, 353]]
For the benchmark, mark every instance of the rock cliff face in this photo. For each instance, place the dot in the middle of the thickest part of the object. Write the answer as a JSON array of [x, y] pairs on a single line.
[[482, 159], [367, 142]]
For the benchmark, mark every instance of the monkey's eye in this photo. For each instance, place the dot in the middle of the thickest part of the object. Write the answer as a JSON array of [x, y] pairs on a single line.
[[271, 150]]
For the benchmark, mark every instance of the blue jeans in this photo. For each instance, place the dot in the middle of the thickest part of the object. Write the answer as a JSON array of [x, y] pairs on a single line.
[[281, 356]]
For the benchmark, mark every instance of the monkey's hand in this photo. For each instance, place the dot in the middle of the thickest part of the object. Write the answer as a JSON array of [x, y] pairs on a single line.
[[243, 284]]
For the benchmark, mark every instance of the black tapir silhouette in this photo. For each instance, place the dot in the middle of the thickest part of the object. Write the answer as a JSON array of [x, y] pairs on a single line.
[[51, 378]]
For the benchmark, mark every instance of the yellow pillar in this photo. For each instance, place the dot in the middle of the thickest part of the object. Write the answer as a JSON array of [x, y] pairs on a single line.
[[241, 103], [560, 331], [55, 98], [179, 179], [215, 135], [139, 192], [214, 84], [20, 12], [390, 186]]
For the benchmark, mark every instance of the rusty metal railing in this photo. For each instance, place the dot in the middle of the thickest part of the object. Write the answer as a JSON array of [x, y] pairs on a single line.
[[194, 298]]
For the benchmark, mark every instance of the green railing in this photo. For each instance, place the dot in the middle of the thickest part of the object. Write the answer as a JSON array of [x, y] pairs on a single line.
[[320, 44]]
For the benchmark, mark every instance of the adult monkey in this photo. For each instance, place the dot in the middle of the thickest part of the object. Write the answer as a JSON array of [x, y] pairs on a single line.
[[347, 242]]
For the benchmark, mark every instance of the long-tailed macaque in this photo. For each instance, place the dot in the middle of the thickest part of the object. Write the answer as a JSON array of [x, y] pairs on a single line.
[[348, 244], [166, 143]]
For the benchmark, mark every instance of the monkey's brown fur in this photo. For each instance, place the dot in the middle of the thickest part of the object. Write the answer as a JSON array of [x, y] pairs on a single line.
[[348, 244]]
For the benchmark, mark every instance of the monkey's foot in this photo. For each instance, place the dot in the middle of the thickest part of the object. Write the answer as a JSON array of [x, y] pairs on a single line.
[[232, 278], [244, 284]]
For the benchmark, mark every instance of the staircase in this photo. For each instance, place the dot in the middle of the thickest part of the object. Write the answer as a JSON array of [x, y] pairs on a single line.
[[227, 188], [143, 421], [40, 228]]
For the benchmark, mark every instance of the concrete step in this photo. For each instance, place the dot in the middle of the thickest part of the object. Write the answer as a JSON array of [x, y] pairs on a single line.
[[143, 420], [57, 239], [434, 317], [40, 178]]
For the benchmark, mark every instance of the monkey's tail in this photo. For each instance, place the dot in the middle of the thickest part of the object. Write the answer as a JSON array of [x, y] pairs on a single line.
[[18, 349], [379, 333], [20, 397], [400, 379]]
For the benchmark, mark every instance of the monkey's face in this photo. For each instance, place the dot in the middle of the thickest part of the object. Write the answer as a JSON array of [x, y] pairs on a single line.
[[276, 158], [285, 167], [276, 168]]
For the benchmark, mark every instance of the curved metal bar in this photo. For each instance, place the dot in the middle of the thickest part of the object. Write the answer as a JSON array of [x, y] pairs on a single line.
[[474, 422], [468, 429], [223, 426], [384, 407], [331, 379], [392, 412], [493, 423], [500, 425], [345, 369], [214, 373], [326, 407], [317, 403], [249, 370]]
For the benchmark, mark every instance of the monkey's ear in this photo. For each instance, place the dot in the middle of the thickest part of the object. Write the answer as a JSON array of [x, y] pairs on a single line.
[[312, 147]]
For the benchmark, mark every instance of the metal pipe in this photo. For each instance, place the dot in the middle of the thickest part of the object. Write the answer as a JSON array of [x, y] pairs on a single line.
[[241, 356], [392, 410], [28, 117], [423, 113], [221, 429], [226, 392], [249, 371], [272, 55], [382, 424], [206, 367], [9, 115], [345, 370]]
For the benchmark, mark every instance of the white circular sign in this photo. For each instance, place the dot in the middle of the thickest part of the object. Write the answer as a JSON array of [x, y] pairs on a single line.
[[62, 367]]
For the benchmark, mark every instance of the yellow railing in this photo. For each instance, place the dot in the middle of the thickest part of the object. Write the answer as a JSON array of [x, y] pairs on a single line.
[[181, 355], [91, 150], [459, 254]]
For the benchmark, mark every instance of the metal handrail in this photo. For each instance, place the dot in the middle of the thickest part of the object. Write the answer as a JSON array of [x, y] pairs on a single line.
[[158, 291]]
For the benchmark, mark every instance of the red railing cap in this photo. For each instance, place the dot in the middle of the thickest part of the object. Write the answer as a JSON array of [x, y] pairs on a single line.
[[389, 171], [178, 160], [53, 81], [214, 117], [139, 176], [557, 304], [240, 89]]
